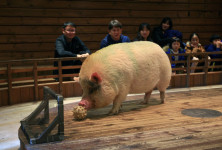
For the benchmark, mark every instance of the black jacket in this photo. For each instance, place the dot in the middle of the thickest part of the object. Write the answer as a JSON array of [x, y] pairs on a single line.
[[159, 38], [69, 49]]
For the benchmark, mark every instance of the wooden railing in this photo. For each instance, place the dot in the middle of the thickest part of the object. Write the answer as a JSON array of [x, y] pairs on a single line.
[[187, 63], [17, 73], [33, 73]]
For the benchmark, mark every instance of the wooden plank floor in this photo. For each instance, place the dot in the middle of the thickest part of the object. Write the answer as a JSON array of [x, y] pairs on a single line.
[[146, 127]]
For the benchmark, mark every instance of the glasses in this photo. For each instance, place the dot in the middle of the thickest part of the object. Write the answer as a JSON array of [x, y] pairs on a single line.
[[70, 31]]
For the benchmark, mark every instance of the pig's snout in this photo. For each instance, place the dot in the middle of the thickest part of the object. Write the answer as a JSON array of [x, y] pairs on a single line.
[[86, 104]]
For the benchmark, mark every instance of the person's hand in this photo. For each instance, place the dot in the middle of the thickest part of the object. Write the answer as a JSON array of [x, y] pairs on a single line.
[[76, 79], [85, 55], [195, 58], [184, 70], [78, 55]]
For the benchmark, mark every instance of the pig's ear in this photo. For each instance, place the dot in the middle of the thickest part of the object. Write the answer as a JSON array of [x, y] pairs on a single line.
[[96, 78]]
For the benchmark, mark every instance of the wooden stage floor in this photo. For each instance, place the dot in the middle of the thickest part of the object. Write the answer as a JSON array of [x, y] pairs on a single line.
[[145, 127]]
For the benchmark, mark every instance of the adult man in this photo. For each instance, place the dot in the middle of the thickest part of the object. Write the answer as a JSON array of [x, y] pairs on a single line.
[[115, 34], [69, 45]]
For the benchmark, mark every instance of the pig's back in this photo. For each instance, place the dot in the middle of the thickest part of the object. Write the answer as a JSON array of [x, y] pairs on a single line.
[[154, 68]]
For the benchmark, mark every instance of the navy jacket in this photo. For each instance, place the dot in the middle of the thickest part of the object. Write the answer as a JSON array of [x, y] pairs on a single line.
[[170, 51], [108, 40], [212, 48]]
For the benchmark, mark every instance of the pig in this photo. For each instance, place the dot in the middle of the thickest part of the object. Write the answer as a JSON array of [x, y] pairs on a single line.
[[108, 75]]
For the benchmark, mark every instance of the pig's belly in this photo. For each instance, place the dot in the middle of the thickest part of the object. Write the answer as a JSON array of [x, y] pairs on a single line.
[[142, 86]]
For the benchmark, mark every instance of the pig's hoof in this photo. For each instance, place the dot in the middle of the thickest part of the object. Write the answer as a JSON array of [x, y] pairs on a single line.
[[113, 113], [143, 103]]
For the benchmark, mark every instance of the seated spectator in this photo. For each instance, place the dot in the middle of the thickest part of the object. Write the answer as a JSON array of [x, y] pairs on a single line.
[[158, 34], [215, 46], [173, 34], [143, 33], [69, 45], [175, 48], [115, 34], [194, 46]]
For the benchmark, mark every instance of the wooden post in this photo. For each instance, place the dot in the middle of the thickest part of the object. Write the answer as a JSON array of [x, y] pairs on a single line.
[[9, 72], [188, 72], [60, 77], [35, 76], [205, 68]]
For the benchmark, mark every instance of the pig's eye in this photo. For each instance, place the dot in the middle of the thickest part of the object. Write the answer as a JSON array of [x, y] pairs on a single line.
[[93, 87], [91, 91]]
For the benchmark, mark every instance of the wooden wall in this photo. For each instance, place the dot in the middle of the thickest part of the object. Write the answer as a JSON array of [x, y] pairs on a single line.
[[28, 28]]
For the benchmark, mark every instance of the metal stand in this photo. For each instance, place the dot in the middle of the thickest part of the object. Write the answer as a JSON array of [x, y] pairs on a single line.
[[37, 130]]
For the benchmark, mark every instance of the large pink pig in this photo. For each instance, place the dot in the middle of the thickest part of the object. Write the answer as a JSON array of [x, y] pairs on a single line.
[[108, 75]]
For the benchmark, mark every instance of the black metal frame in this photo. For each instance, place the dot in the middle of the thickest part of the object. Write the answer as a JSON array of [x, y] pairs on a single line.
[[31, 120]]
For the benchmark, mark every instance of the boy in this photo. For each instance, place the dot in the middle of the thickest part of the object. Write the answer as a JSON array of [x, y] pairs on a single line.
[[175, 48], [115, 34], [69, 45]]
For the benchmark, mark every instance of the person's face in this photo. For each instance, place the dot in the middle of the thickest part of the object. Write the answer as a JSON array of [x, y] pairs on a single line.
[[216, 41], [165, 25], [145, 33], [194, 41], [115, 33], [176, 46], [69, 32]]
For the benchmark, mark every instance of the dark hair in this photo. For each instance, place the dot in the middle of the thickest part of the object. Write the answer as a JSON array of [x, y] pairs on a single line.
[[68, 24], [141, 27], [191, 36], [176, 39], [214, 37], [114, 23], [165, 20]]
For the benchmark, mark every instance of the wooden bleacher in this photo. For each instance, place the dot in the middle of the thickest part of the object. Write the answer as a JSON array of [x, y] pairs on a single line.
[[29, 28]]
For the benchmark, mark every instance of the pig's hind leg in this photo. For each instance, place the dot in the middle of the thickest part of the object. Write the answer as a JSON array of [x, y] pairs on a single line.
[[117, 104], [162, 90], [146, 97], [162, 96], [162, 86]]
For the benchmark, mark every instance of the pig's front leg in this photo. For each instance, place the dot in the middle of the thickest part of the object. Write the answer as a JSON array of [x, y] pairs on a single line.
[[117, 104]]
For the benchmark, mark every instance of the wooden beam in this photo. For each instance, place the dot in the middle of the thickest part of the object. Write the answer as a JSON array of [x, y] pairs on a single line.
[[35, 77], [9, 74]]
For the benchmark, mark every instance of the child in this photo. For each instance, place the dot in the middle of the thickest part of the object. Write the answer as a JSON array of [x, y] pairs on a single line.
[[175, 48], [215, 46], [158, 32], [69, 45], [115, 35], [194, 46], [143, 33]]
